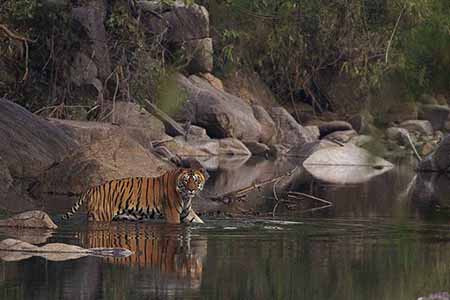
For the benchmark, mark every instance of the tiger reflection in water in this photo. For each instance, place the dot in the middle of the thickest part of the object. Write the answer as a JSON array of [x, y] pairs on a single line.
[[168, 250]]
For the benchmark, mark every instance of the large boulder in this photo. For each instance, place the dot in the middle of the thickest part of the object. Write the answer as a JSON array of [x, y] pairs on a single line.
[[439, 160], [199, 53], [116, 156], [221, 114], [29, 144], [289, 132], [436, 114], [398, 135]]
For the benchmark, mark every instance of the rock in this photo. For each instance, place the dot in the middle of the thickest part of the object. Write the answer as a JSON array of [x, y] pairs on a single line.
[[436, 114], [427, 99], [329, 127], [195, 148], [362, 140], [421, 126], [221, 114], [439, 160], [399, 112], [426, 149], [361, 122], [231, 146], [213, 80], [196, 133], [398, 135], [278, 150], [436, 296], [33, 219], [313, 131], [29, 144], [199, 53], [117, 156], [266, 122], [257, 148], [289, 132], [181, 23], [341, 136], [91, 18]]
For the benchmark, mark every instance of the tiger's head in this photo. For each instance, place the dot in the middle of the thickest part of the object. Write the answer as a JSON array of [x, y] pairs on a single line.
[[190, 182]]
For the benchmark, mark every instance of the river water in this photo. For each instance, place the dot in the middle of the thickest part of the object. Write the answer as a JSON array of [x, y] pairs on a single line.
[[385, 239]]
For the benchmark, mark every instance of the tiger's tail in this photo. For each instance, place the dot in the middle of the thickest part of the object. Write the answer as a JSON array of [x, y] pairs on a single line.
[[75, 207]]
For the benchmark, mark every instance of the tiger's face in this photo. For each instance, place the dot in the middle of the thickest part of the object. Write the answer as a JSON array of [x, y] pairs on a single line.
[[190, 182]]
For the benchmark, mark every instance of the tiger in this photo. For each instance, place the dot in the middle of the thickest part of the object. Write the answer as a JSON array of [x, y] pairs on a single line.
[[168, 196]]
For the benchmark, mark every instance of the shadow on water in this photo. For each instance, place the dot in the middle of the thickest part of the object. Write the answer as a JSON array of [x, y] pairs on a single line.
[[385, 239]]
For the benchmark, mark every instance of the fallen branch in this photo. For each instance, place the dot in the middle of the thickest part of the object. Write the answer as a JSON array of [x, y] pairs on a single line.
[[413, 147], [295, 195], [165, 118], [386, 59]]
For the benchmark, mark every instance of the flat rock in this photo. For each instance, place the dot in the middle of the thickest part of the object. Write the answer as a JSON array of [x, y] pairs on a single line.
[[32, 219], [343, 136], [398, 135], [345, 165]]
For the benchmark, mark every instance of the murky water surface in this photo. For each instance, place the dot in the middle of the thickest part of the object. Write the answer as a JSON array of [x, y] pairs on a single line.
[[387, 239]]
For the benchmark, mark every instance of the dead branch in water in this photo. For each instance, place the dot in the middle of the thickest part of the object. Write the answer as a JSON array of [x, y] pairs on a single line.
[[242, 193]]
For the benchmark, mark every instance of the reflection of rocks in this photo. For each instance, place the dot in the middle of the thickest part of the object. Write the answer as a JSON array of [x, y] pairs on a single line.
[[30, 235], [168, 250], [431, 192]]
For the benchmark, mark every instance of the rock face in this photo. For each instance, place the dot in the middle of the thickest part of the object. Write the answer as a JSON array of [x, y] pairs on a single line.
[[29, 144], [117, 156], [91, 18], [439, 160], [33, 219], [222, 114], [185, 27], [436, 114], [289, 132]]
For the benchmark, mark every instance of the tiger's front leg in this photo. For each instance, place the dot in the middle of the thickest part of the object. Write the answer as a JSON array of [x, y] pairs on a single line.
[[191, 217]]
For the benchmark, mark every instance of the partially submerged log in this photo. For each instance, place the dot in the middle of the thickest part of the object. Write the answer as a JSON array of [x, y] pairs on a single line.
[[14, 250]]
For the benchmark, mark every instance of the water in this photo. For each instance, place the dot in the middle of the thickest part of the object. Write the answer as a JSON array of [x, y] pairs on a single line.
[[382, 240]]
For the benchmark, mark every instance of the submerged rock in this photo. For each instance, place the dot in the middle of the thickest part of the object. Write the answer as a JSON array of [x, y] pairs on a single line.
[[345, 165], [33, 219]]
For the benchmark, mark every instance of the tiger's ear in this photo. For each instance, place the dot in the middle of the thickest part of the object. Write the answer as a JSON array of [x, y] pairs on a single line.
[[204, 172]]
